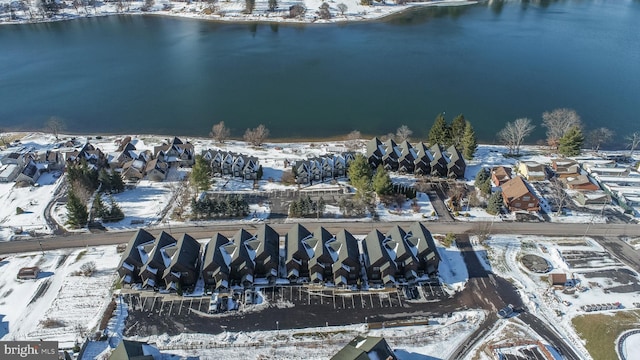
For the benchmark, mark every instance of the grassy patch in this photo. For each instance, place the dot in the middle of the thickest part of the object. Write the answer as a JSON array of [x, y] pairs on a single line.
[[600, 331], [81, 254]]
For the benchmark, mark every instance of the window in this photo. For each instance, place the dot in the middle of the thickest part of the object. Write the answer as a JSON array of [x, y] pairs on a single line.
[[526, 198], [517, 204]]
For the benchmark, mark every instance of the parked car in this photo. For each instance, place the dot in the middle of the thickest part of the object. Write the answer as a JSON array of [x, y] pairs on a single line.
[[506, 311]]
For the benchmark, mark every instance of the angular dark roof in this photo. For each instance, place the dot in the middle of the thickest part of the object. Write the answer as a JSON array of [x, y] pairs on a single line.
[[293, 239], [212, 254], [140, 237]]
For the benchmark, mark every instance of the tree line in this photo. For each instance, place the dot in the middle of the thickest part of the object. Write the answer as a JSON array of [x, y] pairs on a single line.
[[565, 133], [85, 182]]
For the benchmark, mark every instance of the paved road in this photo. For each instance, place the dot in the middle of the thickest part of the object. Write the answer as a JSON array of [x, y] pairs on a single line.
[[357, 228], [489, 292]]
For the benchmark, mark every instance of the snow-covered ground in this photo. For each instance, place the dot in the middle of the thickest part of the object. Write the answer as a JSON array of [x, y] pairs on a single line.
[[59, 305], [229, 11], [599, 278]]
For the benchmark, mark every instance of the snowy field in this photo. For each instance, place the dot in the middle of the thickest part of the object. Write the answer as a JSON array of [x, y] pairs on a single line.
[[594, 277], [59, 305], [228, 11]]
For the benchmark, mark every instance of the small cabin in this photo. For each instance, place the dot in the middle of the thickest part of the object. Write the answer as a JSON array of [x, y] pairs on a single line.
[[28, 273]]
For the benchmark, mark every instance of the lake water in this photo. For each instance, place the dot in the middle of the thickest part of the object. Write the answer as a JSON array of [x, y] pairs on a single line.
[[494, 63]]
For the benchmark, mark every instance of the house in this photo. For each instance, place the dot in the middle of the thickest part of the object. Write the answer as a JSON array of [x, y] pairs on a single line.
[[134, 170], [455, 163], [88, 154], [608, 171], [344, 252], [266, 247], [14, 158], [517, 195], [422, 163], [134, 257], [49, 160], [134, 350], [407, 159], [28, 273], [9, 172], [151, 273], [156, 170], [557, 279], [250, 170], [366, 348], [391, 155], [176, 153], [339, 165], [302, 172], [240, 261], [532, 171], [500, 175], [216, 263], [597, 197], [580, 182], [423, 247], [439, 162], [374, 153], [378, 265], [404, 264], [297, 260], [184, 266], [565, 168], [320, 259], [29, 174]]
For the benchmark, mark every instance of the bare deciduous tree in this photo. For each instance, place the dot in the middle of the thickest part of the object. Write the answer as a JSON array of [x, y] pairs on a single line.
[[220, 132], [342, 8], [353, 140], [256, 136], [514, 133], [55, 125], [558, 195], [558, 122], [598, 137], [403, 133], [633, 141]]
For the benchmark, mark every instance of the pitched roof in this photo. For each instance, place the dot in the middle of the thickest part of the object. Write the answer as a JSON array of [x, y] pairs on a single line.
[[514, 188]]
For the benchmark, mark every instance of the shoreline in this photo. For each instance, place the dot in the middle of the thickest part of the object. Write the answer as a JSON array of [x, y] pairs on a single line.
[[378, 13]]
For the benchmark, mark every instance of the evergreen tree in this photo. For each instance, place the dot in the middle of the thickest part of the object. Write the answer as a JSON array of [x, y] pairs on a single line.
[[495, 203], [259, 173], [360, 173], [483, 181], [76, 211], [200, 176], [571, 142], [105, 181], [458, 126], [381, 182], [440, 132], [469, 142], [117, 185], [98, 209], [115, 213]]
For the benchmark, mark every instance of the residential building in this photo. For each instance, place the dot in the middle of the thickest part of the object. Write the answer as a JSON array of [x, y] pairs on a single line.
[[564, 168], [366, 348], [455, 163], [151, 273], [517, 195], [184, 266], [500, 175], [134, 257], [532, 171]]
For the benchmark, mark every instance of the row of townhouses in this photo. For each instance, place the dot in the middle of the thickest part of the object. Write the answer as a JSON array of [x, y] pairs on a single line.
[[307, 256], [230, 163], [323, 167], [419, 160]]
